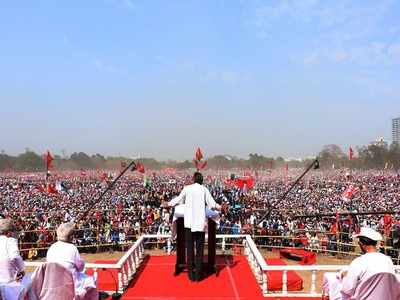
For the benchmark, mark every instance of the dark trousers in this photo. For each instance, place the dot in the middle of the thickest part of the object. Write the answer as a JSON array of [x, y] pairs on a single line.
[[194, 240]]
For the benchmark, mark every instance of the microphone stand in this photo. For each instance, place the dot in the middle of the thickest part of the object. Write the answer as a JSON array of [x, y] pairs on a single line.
[[115, 295], [314, 164], [96, 201]]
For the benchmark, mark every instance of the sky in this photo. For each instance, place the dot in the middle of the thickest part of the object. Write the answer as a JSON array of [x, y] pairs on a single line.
[[159, 78]]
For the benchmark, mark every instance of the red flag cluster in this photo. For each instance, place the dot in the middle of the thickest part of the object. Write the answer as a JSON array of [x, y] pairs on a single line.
[[241, 182], [348, 194], [48, 188], [198, 163]]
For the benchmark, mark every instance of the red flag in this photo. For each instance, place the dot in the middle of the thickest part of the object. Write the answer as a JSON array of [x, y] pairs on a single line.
[[349, 192], [334, 228], [351, 153], [199, 165], [103, 176], [40, 188], [199, 154], [140, 167], [51, 189], [239, 183], [83, 172], [387, 222], [202, 165], [49, 159]]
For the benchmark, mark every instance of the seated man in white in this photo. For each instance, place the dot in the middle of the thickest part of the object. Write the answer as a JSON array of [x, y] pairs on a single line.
[[350, 284], [66, 254], [12, 281]]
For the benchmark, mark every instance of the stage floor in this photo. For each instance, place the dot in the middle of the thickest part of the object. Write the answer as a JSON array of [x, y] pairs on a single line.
[[155, 281]]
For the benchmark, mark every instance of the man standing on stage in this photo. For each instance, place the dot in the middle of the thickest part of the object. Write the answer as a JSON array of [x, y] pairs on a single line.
[[195, 197]]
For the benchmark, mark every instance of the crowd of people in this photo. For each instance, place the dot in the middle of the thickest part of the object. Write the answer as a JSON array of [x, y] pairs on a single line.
[[133, 206]]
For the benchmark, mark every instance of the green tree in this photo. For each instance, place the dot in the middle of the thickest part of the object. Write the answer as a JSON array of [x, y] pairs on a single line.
[[29, 161], [82, 160]]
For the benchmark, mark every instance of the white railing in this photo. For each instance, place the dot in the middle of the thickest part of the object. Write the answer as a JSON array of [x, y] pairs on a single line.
[[313, 269], [129, 263], [260, 269], [126, 267]]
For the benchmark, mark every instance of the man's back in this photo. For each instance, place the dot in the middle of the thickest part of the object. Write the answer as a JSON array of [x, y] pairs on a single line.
[[195, 197], [67, 255], [195, 207], [364, 267]]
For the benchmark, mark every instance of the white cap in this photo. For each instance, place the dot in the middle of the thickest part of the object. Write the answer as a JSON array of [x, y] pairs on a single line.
[[370, 233]]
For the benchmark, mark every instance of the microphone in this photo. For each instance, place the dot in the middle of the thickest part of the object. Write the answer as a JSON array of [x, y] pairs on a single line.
[[115, 295]]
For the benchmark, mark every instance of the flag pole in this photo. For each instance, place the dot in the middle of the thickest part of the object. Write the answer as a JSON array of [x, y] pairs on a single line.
[[314, 164], [46, 160], [110, 186]]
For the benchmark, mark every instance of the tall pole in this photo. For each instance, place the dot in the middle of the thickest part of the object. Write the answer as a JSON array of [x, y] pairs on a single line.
[[110, 186], [314, 164]]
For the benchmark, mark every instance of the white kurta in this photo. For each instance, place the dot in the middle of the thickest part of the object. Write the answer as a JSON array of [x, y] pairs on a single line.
[[195, 197], [67, 255], [11, 261], [364, 267]]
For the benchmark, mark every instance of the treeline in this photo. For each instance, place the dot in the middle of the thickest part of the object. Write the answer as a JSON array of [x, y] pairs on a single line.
[[332, 156], [31, 161], [378, 156]]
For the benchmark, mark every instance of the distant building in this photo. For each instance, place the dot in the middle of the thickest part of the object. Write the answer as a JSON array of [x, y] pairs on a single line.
[[380, 142], [396, 130]]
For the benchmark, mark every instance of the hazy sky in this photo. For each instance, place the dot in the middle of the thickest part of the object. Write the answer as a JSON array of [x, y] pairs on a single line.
[[158, 78]]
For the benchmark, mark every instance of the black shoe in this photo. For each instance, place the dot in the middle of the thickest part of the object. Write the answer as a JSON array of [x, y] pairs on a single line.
[[197, 277], [191, 276]]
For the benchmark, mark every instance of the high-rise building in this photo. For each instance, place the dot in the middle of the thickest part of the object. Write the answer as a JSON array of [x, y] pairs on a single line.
[[396, 130]]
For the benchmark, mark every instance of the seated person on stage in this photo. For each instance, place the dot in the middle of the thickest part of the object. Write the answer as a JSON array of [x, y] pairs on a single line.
[[346, 284], [11, 263], [66, 254]]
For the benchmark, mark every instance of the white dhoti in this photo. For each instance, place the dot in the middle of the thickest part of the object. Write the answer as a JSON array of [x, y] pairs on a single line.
[[15, 289], [84, 283], [332, 286]]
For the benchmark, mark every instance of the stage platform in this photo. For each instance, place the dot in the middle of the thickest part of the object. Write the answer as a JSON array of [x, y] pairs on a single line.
[[294, 281], [155, 281]]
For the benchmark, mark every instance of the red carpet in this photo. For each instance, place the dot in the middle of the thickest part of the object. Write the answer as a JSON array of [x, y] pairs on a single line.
[[155, 281], [294, 281], [107, 279]]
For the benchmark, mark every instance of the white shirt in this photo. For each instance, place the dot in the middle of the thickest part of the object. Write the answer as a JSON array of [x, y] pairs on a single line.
[[67, 255], [195, 197], [11, 262], [364, 267]]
